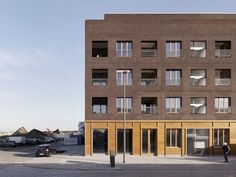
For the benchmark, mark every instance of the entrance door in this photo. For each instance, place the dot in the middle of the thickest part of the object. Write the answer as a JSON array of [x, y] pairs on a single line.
[[120, 141], [197, 141], [149, 141], [100, 140]]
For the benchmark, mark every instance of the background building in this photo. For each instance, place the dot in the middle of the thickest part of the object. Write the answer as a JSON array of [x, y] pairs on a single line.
[[179, 74]]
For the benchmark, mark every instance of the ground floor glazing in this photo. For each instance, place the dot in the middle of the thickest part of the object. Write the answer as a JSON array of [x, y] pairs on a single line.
[[159, 137]]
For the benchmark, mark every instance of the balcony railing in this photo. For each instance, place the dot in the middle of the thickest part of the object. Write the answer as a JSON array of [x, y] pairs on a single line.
[[99, 81], [148, 109], [176, 53], [198, 110], [173, 81], [121, 109], [149, 81], [223, 110], [128, 81], [124, 53], [173, 110], [198, 53], [222, 53], [99, 109], [196, 82], [148, 52], [222, 81]]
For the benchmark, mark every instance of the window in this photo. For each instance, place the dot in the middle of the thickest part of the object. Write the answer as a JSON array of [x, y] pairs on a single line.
[[100, 141], [222, 105], [149, 141], [173, 105], [99, 105], [149, 105], [149, 77], [221, 136], [173, 137], [173, 48], [222, 49], [173, 76], [148, 48], [198, 105], [120, 140], [124, 49], [124, 77], [197, 141], [198, 49], [120, 104], [99, 49], [99, 76], [198, 77], [222, 77]]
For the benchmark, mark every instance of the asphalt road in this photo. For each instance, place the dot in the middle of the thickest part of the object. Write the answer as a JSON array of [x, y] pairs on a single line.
[[22, 171], [20, 162]]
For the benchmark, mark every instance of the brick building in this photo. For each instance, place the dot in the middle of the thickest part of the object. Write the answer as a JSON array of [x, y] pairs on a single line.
[[179, 74]]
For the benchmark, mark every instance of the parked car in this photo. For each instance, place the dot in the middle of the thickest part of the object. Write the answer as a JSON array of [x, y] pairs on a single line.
[[45, 150], [19, 140], [7, 143], [31, 141], [48, 140]]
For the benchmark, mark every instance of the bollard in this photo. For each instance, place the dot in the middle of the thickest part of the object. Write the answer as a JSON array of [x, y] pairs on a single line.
[[112, 159]]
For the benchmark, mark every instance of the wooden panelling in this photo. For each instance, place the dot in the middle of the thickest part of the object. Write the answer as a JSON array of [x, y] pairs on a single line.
[[173, 151], [127, 125], [100, 125], [217, 151], [87, 148], [149, 125], [233, 139], [210, 141], [197, 125], [232, 124], [221, 125], [183, 149], [111, 137], [173, 125], [136, 139], [161, 139]]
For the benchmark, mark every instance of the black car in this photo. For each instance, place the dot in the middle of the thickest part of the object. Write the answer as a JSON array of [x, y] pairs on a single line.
[[45, 150]]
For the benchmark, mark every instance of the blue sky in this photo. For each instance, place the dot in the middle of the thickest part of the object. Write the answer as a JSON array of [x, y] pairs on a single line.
[[42, 55]]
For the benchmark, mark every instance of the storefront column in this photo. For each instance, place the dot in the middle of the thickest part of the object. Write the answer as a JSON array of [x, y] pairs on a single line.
[[161, 139]]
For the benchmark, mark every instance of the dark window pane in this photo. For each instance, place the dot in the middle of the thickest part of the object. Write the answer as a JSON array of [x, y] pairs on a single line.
[[99, 49], [100, 140], [153, 140], [168, 137], [145, 141]]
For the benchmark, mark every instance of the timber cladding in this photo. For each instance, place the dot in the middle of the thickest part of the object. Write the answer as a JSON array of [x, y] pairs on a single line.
[[162, 149]]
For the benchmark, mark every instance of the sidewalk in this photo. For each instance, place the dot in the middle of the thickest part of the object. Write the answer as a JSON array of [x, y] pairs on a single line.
[[102, 162]]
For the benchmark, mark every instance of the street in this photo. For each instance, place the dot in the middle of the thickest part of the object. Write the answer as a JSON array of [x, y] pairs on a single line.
[[20, 162]]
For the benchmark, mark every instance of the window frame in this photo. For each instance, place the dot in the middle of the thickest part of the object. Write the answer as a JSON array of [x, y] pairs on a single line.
[[192, 45], [173, 101], [173, 75], [124, 74], [120, 104], [219, 100], [217, 143], [177, 134], [173, 49], [124, 49]]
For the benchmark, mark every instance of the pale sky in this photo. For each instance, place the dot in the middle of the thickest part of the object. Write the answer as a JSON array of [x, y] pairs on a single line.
[[42, 55]]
